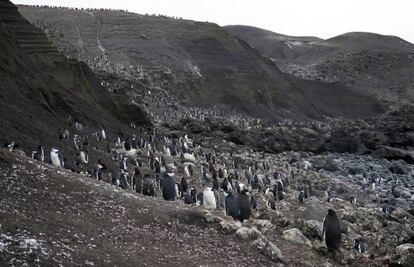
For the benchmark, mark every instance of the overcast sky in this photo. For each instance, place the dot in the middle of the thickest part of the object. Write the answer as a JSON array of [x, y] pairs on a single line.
[[321, 18]]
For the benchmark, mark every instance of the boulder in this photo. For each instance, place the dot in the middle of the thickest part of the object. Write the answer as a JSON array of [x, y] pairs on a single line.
[[230, 227], [263, 225], [325, 163], [296, 236], [406, 254], [212, 218], [399, 167], [246, 233], [314, 211], [312, 229], [268, 249]]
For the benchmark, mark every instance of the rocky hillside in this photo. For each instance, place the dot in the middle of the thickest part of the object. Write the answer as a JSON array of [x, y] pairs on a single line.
[[368, 63], [41, 88], [199, 63]]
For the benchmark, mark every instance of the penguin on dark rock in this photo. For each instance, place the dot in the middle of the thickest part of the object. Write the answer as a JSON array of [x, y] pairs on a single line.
[[10, 146], [353, 200], [127, 144], [157, 166], [301, 196], [168, 186], [220, 173], [123, 180], [205, 177], [85, 141], [77, 142], [96, 171], [193, 194], [60, 134], [84, 157], [123, 164], [225, 185], [178, 190], [385, 209], [56, 158], [245, 206], [39, 154], [232, 206], [237, 186], [271, 204], [280, 195], [188, 199], [191, 170], [209, 199], [200, 199], [115, 180], [359, 245], [137, 181], [148, 186], [184, 184], [253, 203], [65, 134], [214, 174], [331, 232], [306, 192]]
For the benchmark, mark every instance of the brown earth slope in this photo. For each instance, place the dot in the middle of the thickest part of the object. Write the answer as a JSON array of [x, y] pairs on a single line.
[[199, 62]]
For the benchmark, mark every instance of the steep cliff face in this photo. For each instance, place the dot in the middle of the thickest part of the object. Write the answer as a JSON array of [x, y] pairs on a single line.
[[40, 87], [368, 63], [198, 62]]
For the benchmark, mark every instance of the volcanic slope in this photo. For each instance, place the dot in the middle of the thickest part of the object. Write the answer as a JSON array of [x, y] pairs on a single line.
[[40, 88], [196, 61], [368, 63]]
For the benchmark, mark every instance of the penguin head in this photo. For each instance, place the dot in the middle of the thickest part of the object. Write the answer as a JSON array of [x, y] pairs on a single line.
[[55, 150], [331, 212], [245, 192]]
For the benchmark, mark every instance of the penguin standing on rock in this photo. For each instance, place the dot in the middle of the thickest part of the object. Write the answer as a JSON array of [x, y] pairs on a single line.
[[193, 194], [253, 203], [10, 146], [188, 199], [84, 157], [271, 204], [39, 154], [245, 205], [301, 197], [359, 245], [232, 206], [56, 158], [168, 186], [331, 232], [123, 164], [137, 181], [184, 184], [123, 180], [96, 171], [209, 200], [61, 134]]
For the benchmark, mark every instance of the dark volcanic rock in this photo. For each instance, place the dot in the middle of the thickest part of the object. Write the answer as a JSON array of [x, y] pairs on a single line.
[[399, 167]]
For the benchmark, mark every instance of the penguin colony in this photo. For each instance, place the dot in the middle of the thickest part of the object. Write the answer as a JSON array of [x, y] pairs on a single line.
[[173, 168]]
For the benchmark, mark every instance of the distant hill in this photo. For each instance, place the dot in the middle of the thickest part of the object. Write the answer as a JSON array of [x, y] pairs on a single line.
[[198, 62], [368, 63]]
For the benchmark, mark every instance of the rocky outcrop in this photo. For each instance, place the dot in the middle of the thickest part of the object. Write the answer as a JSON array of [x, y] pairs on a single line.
[[296, 236]]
